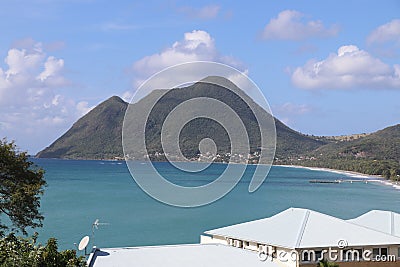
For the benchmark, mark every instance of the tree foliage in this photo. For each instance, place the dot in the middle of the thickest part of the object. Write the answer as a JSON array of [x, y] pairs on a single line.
[[25, 252], [374, 154], [388, 169], [325, 263], [21, 185]]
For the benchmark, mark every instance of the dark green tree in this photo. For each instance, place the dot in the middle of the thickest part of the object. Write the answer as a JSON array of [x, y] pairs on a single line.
[[326, 263], [25, 252], [393, 174], [21, 185]]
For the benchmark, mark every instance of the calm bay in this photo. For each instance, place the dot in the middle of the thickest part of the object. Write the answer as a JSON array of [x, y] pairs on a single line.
[[81, 191]]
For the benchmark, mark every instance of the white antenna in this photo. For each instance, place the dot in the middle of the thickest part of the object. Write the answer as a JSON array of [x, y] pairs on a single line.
[[96, 225]]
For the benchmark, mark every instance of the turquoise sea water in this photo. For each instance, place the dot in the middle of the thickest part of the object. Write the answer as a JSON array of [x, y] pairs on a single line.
[[79, 192]]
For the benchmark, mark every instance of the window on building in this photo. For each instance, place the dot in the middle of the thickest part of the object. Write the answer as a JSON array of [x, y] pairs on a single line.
[[375, 252], [352, 254], [360, 254], [308, 255], [398, 252], [379, 252], [384, 251], [348, 254], [238, 243], [345, 255], [305, 256], [318, 254]]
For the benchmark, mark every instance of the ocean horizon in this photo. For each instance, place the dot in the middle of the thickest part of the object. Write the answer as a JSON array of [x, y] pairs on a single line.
[[80, 191]]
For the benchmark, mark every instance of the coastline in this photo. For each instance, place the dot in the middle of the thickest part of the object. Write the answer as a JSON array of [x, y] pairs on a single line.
[[352, 174]]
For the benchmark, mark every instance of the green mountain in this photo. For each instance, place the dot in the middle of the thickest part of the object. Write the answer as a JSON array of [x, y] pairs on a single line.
[[291, 144], [377, 154], [97, 135], [381, 145]]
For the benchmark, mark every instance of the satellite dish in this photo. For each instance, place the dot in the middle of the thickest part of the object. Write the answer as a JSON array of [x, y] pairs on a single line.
[[84, 242]]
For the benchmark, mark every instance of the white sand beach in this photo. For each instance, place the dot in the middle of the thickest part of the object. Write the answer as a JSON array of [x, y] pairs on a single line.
[[351, 174]]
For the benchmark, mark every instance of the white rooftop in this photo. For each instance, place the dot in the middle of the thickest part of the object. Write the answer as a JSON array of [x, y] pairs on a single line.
[[381, 220], [303, 228], [195, 255]]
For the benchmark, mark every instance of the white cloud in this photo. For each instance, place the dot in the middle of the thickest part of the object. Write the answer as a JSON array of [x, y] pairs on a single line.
[[386, 33], [127, 96], [196, 46], [19, 61], [206, 12], [29, 75], [32, 109], [52, 70], [83, 108], [290, 25], [349, 68]]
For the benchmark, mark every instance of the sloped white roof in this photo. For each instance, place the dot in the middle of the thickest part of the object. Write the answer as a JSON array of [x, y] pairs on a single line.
[[177, 256], [381, 220], [303, 228]]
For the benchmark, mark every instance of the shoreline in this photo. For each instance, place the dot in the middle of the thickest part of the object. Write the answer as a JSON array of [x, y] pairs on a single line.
[[352, 174]]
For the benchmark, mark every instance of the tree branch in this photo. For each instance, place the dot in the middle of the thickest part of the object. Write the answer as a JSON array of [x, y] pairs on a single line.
[[2, 209]]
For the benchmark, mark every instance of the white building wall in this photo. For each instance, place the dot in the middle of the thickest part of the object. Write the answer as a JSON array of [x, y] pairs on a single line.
[[204, 239], [284, 257]]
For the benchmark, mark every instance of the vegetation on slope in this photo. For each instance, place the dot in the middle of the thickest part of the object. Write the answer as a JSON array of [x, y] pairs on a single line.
[[97, 135], [376, 154]]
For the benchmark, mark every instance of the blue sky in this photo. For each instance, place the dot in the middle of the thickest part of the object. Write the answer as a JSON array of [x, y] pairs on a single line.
[[325, 67]]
